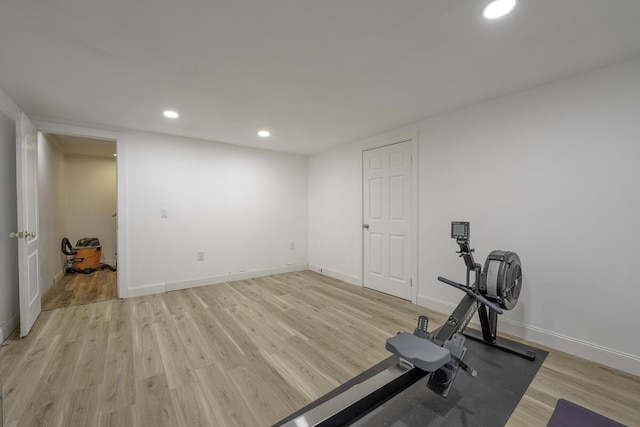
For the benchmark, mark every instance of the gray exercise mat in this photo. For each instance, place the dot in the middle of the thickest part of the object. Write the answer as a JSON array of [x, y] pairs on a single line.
[[486, 400], [569, 414]]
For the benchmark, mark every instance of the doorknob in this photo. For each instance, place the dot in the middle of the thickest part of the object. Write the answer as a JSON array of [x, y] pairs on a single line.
[[365, 226], [22, 235]]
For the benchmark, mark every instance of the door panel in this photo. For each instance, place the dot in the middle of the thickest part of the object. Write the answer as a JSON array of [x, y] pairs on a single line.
[[375, 254], [396, 198], [28, 233], [376, 199], [387, 212], [396, 257]]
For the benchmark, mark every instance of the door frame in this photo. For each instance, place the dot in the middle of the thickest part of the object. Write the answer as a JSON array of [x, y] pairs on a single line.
[[121, 220], [413, 233]]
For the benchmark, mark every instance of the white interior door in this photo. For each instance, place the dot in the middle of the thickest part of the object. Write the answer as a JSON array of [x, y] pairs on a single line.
[[27, 235], [387, 219]]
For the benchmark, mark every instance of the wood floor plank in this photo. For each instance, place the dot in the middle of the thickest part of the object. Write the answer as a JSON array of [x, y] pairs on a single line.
[[91, 364], [158, 308], [198, 349], [155, 412], [79, 322], [140, 312], [13, 351], [192, 407], [82, 408], [300, 374], [235, 332], [530, 413], [45, 407], [229, 407], [175, 361], [55, 322], [154, 387], [266, 400], [121, 418], [327, 363], [265, 335], [146, 352], [77, 289], [117, 389], [244, 353], [120, 318], [154, 405], [224, 349], [26, 378]]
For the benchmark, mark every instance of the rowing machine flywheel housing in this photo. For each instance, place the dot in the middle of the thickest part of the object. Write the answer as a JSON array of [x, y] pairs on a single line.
[[502, 278]]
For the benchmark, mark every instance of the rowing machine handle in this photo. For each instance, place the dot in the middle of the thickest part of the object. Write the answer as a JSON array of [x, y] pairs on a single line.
[[469, 292]]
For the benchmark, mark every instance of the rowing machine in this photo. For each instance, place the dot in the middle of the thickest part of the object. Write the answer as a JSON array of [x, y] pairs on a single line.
[[439, 354]]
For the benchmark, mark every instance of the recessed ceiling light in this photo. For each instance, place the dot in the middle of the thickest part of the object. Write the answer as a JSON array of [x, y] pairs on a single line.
[[171, 114], [115, 155], [498, 8], [264, 133]]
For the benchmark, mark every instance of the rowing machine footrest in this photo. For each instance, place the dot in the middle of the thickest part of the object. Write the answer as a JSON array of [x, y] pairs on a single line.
[[421, 329], [420, 352], [442, 380]]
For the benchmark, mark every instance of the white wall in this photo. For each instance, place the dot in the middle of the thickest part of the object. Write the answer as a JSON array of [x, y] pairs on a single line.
[[335, 213], [243, 207], [9, 300], [90, 187], [551, 174], [51, 211]]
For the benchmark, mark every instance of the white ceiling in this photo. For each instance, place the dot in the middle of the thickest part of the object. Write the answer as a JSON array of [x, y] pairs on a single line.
[[76, 145], [316, 73]]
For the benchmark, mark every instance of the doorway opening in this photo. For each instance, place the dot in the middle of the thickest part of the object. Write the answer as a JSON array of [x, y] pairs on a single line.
[[78, 202]]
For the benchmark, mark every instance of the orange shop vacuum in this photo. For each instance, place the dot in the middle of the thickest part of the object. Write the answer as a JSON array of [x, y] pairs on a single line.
[[84, 257]]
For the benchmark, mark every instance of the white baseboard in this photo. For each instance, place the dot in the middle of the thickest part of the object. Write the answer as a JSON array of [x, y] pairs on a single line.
[[584, 349], [587, 350], [245, 275], [349, 278], [139, 291], [7, 327], [435, 304], [57, 277]]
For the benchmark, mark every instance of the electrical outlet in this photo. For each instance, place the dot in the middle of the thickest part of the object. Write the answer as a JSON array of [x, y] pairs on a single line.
[[292, 246], [200, 255], [164, 213]]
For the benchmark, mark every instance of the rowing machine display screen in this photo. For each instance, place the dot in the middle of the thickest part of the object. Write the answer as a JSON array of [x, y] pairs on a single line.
[[459, 230]]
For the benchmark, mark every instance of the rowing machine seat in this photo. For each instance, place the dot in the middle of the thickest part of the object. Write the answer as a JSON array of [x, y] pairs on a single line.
[[420, 352]]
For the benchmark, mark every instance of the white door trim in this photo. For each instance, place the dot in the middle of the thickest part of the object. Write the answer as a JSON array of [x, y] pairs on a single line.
[[413, 138], [121, 189]]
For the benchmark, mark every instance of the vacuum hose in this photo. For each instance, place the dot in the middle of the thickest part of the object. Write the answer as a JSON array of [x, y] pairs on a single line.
[[66, 247]]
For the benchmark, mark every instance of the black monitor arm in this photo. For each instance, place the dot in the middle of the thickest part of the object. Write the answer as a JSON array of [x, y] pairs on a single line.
[[467, 254]]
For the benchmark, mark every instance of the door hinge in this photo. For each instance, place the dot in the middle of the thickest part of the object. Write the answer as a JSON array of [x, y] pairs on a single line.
[[411, 283]]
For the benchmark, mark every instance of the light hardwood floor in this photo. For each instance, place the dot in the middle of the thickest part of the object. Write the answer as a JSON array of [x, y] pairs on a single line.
[[246, 353], [79, 288]]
